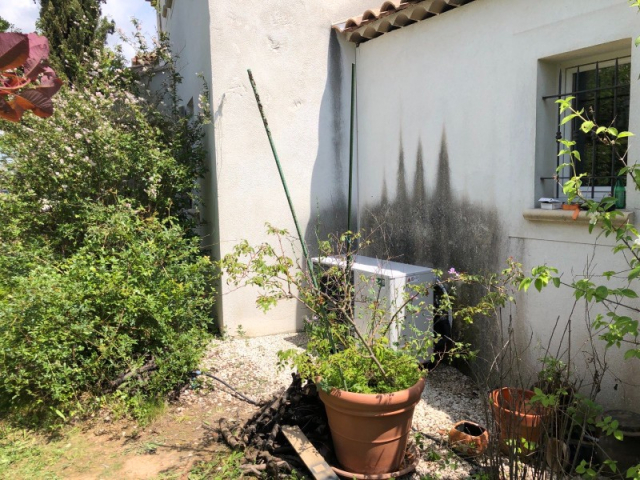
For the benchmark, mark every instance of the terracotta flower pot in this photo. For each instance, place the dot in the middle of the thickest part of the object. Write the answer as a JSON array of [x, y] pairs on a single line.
[[469, 438], [517, 418], [370, 431]]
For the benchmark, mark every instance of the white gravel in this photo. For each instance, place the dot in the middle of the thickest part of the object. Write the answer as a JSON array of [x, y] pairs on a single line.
[[250, 366]]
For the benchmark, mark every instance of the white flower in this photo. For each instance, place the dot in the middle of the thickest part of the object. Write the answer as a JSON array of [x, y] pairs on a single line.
[[594, 216]]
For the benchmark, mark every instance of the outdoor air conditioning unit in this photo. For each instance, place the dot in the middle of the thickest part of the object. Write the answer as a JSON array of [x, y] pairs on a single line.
[[386, 282]]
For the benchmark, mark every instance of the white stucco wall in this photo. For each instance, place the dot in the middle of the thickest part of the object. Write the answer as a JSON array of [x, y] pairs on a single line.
[[303, 75], [457, 97], [469, 80]]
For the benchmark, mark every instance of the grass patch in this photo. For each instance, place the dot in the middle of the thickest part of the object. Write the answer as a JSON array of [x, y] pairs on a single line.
[[23, 455]]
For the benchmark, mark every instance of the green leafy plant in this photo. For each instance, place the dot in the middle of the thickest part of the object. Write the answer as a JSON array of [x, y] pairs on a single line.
[[137, 292], [105, 293], [348, 319], [616, 327], [613, 291]]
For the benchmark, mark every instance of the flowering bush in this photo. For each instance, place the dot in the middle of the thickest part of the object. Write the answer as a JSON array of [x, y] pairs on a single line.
[[100, 270]]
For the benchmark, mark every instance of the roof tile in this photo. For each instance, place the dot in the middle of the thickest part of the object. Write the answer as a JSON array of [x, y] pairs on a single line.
[[391, 15]]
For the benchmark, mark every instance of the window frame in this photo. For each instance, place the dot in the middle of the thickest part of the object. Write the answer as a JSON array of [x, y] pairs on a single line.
[[555, 80], [594, 192]]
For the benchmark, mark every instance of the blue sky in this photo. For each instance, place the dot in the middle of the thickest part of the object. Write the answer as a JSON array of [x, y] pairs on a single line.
[[23, 14]]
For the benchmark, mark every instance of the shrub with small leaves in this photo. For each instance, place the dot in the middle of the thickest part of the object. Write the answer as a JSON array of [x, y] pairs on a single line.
[[137, 292]]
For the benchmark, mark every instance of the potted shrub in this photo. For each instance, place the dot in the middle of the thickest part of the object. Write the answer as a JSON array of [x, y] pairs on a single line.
[[368, 383]]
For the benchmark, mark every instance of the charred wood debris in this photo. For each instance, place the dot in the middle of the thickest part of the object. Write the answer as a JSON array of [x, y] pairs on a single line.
[[266, 450]]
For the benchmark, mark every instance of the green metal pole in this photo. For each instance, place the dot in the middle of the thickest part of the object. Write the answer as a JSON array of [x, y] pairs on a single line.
[[353, 102], [303, 244], [305, 252]]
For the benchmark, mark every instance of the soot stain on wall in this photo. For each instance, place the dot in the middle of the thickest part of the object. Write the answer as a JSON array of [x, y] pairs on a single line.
[[329, 202], [335, 78], [439, 229]]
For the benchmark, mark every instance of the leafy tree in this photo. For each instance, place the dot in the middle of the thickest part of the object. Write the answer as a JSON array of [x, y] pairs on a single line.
[[5, 25], [76, 31]]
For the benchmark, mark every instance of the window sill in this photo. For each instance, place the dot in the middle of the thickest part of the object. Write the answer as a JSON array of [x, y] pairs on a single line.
[[566, 216]]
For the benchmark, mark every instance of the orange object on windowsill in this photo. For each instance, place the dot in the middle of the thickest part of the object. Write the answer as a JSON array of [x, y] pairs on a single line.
[[576, 209]]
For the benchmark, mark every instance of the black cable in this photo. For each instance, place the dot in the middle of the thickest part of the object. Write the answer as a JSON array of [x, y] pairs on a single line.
[[246, 399]]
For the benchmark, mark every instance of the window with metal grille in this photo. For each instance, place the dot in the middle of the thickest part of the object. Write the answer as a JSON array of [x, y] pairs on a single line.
[[601, 89]]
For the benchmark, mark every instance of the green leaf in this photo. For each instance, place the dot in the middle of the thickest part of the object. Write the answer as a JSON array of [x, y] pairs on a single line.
[[526, 283], [566, 143], [564, 103], [59, 413], [634, 273], [601, 293], [587, 126], [625, 134], [539, 284], [627, 292], [568, 118]]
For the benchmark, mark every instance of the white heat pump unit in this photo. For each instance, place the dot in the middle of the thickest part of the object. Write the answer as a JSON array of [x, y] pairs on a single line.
[[386, 282]]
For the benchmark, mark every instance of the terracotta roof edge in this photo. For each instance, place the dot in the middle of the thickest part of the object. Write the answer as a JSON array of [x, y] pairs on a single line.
[[366, 27]]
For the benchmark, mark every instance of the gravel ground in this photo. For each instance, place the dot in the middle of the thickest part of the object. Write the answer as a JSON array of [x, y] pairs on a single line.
[[250, 366]]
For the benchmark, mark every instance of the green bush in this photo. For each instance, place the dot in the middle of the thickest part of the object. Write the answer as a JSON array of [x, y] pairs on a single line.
[[136, 291], [102, 143], [100, 269]]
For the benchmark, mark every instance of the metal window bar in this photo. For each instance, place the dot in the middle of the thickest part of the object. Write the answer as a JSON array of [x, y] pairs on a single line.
[[575, 91], [615, 116], [594, 146]]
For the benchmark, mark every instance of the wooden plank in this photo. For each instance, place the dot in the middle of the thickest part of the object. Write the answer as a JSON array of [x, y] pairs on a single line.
[[309, 455]]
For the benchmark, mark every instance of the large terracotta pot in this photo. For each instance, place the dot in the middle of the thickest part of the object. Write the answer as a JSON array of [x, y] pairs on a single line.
[[517, 418], [370, 431]]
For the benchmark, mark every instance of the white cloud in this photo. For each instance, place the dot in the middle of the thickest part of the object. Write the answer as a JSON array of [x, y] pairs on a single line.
[[24, 13], [21, 13]]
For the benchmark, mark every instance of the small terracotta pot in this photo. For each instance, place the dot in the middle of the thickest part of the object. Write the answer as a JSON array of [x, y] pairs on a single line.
[[468, 438], [370, 431], [575, 208], [516, 418]]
